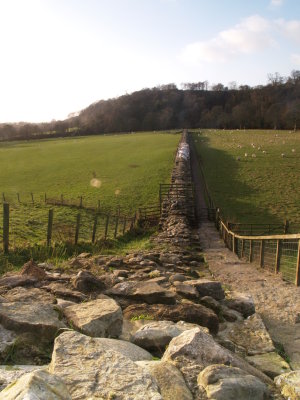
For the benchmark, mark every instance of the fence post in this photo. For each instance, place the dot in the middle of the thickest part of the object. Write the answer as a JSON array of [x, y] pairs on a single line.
[[106, 226], [124, 225], [32, 199], [77, 228], [286, 227], [233, 243], [5, 227], [116, 226], [80, 202], [50, 225], [277, 259], [217, 218], [243, 248], [297, 280], [250, 250], [94, 228], [261, 254]]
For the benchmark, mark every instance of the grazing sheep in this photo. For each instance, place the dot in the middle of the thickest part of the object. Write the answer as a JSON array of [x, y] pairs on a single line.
[[258, 148], [246, 155], [282, 155], [253, 155], [293, 150], [264, 151]]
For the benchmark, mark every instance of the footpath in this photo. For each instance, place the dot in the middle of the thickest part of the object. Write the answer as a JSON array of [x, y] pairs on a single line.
[[277, 301]]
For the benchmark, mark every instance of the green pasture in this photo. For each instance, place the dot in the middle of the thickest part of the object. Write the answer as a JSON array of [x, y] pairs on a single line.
[[253, 175], [119, 170]]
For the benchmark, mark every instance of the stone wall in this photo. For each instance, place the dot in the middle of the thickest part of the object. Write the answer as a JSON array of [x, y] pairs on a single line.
[[178, 219]]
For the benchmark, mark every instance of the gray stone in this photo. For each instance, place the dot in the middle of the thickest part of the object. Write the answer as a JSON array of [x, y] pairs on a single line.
[[28, 295], [11, 281], [222, 382], [98, 318], [36, 385], [252, 335], [289, 384], [7, 339], [187, 291], [86, 282], [208, 287], [10, 373], [149, 292], [170, 380], [188, 312], [155, 336], [211, 303], [177, 278], [241, 302], [270, 364], [38, 318], [91, 370], [61, 290], [194, 350]]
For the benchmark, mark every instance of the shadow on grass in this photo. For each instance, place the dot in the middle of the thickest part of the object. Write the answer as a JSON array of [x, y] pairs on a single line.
[[234, 197]]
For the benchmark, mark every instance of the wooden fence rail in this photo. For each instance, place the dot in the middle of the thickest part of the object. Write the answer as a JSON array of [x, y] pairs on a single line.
[[278, 253]]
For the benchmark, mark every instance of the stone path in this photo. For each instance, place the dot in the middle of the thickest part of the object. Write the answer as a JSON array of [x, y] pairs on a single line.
[[277, 301]]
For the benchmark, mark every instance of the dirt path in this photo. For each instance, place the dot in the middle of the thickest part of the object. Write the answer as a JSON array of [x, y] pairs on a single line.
[[277, 301]]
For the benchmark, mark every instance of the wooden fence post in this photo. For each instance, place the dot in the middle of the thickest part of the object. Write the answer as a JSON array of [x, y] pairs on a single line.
[[124, 225], [233, 243], [243, 248], [32, 199], [297, 280], [50, 225], [261, 253], [5, 227], [277, 259], [94, 228], [116, 226], [286, 227], [106, 226], [250, 250], [77, 228]]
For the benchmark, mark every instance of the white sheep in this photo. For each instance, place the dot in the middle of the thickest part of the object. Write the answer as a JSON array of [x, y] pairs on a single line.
[[246, 154], [293, 150], [282, 155], [253, 155]]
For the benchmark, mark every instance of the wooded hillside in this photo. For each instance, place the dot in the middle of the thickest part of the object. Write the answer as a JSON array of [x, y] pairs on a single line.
[[275, 105]]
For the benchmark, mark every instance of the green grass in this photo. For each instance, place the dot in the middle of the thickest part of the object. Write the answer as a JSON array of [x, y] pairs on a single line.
[[128, 169], [260, 189]]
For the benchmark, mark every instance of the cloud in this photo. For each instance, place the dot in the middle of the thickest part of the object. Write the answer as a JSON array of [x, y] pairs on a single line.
[[295, 58], [290, 29], [276, 3], [249, 36]]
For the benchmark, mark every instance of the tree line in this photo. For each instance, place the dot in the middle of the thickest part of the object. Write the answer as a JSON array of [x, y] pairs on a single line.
[[275, 105]]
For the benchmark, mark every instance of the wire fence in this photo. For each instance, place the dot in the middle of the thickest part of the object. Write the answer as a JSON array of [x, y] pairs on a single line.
[[277, 253], [23, 226]]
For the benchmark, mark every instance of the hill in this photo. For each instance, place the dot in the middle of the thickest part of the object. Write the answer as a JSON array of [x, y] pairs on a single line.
[[275, 105]]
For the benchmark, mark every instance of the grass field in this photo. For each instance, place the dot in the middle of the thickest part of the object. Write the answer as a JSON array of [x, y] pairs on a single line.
[[253, 176], [119, 170]]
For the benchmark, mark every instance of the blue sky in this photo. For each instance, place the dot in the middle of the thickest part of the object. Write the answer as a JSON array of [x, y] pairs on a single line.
[[58, 56]]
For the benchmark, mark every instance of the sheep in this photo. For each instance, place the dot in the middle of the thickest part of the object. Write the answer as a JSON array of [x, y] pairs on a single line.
[[293, 150], [253, 155], [282, 155]]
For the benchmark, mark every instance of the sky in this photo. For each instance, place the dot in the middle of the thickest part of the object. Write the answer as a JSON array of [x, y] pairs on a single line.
[[59, 56]]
